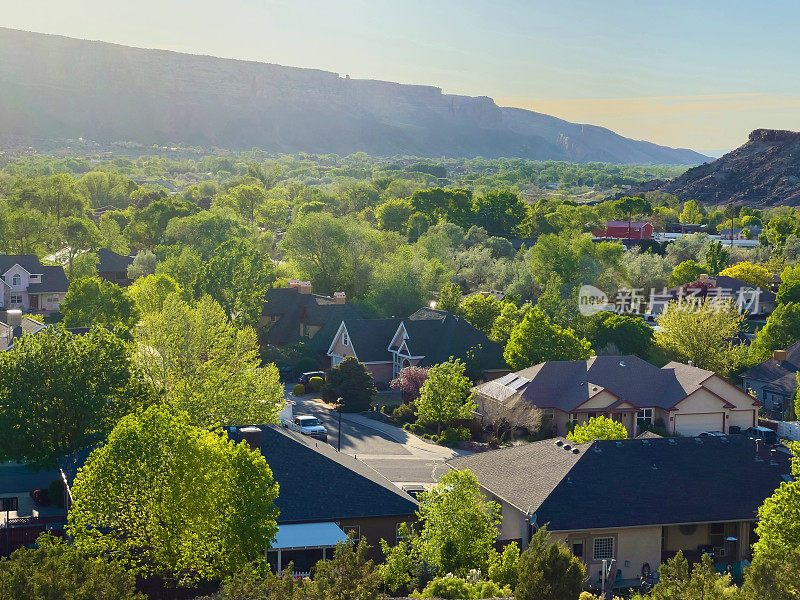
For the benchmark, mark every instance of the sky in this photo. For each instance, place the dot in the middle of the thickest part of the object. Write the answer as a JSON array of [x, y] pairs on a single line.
[[699, 74]]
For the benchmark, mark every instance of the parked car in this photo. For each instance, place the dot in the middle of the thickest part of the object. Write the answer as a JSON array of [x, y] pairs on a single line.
[[307, 425], [762, 433], [711, 434], [305, 378]]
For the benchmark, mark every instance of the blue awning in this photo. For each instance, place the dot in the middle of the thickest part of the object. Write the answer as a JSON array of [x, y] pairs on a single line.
[[308, 535]]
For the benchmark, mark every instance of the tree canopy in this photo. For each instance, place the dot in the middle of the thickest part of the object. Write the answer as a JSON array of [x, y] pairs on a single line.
[[92, 301], [536, 339], [598, 428]]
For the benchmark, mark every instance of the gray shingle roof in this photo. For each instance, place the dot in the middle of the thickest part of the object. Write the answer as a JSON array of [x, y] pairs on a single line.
[[565, 385], [110, 261], [780, 375], [29, 262], [317, 483], [53, 280], [632, 482], [370, 338]]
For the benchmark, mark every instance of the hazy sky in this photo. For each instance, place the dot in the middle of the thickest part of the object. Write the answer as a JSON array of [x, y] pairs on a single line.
[[698, 74]]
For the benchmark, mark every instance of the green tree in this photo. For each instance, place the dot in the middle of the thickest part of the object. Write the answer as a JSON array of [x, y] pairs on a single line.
[[537, 340], [548, 571], [245, 200], [510, 317], [690, 215], [111, 235], [481, 311], [59, 197], [781, 331], [60, 392], [504, 567], [598, 428], [203, 365], [183, 266], [445, 396], [700, 332], [393, 215], [350, 381], [704, 583], [628, 334], [789, 291], [450, 298], [205, 231], [55, 569], [348, 575], [175, 501], [685, 272], [144, 264], [80, 235], [106, 189], [716, 258], [151, 291], [94, 301], [237, 276], [501, 212]]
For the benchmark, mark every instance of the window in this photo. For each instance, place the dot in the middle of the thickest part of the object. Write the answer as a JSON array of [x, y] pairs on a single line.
[[16, 279], [16, 299], [53, 299], [644, 418], [548, 414], [603, 548], [577, 549], [353, 530], [572, 419], [345, 339]]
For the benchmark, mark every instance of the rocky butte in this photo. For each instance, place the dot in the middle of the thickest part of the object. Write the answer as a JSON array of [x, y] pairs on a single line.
[[58, 87]]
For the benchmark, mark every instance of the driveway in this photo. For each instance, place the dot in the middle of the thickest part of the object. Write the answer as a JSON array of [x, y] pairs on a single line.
[[398, 455]]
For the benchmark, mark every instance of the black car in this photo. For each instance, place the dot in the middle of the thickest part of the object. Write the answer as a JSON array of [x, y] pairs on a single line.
[[305, 378]]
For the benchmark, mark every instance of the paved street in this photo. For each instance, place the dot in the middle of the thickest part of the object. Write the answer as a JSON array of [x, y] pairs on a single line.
[[398, 455]]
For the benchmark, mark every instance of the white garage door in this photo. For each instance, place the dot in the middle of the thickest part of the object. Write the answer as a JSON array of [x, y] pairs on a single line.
[[741, 418], [693, 424]]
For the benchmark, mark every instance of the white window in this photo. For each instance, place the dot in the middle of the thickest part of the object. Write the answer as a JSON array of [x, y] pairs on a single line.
[[16, 279], [53, 300], [16, 299], [603, 548], [644, 418], [345, 339], [549, 414], [572, 419]]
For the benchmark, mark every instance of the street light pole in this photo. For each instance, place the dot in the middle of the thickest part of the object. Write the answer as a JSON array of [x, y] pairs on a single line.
[[339, 440]]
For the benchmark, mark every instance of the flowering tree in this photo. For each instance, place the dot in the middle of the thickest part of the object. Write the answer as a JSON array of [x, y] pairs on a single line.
[[409, 381]]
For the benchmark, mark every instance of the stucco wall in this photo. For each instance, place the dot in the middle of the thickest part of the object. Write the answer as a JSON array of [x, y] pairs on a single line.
[[675, 539], [340, 349], [381, 371]]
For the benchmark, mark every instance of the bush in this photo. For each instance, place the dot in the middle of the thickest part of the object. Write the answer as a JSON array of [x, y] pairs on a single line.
[[351, 381], [547, 570], [455, 588], [381, 386], [404, 414], [416, 428], [503, 567], [306, 364], [316, 383], [56, 493], [454, 435], [299, 389]]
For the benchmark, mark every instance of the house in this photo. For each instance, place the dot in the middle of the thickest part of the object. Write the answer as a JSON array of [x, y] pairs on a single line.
[[113, 267], [426, 338], [28, 285], [30, 518], [324, 496], [294, 313], [747, 297], [774, 381], [629, 230], [636, 501], [13, 325], [741, 233], [681, 398]]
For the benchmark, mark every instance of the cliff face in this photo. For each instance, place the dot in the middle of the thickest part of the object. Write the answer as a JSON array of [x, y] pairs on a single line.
[[57, 87], [764, 172]]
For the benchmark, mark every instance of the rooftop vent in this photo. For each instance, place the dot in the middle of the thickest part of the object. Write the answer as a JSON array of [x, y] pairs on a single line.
[[779, 355], [622, 363], [559, 443], [654, 467], [673, 441], [597, 448], [646, 442], [619, 443], [576, 451], [567, 447]]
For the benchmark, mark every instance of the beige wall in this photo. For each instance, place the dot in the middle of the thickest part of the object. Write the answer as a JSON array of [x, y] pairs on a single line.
[[675, 540], [513, 525], [340, 349]]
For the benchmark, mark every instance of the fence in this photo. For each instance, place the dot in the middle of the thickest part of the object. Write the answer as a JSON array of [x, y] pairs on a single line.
[[23, 531], [789, 430]]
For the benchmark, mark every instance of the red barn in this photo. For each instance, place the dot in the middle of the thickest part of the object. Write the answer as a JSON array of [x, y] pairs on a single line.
[[626, 230]]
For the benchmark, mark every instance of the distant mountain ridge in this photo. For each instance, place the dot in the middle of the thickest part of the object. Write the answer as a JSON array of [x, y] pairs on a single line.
[[59, 87], [763, 172]]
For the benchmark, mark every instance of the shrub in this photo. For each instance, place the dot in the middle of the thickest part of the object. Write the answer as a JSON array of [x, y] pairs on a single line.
[[316, 383], [503, 567], [453, 435], [306, 364], [448, 588], [547, 570], [299, 389], [416, 428], [56, 493], [404, 414], [350, 381]]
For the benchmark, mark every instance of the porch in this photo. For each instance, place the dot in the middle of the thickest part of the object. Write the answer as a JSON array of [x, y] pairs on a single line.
[[303, 545]]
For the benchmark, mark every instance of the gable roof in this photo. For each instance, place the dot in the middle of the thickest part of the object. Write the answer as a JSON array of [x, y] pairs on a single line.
[[631, 483], [317, 483], [110, 261], [54, 280], [370, 338], [290, 306], [781, 375], [565, 385], [29, 262]]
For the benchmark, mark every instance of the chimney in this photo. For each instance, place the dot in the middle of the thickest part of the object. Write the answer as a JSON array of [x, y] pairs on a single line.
[[339, 298], [293, 283], [251, 435], [704, 276], [305, 287], [779, 355], [14, 318]]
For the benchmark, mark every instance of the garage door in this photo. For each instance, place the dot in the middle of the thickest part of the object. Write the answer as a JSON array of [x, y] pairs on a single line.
[[693, 424], [741, 418]]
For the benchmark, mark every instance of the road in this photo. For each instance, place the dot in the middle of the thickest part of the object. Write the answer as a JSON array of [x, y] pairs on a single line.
[[398, 455]]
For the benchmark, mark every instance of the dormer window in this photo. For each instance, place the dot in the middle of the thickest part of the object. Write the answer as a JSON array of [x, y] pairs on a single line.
[[16, 279]]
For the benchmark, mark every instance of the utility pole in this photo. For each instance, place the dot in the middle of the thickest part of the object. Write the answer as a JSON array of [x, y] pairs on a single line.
[[339, 440]]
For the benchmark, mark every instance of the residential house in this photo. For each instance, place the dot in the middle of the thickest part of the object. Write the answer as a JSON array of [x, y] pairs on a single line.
[[113, 267], [28, 285], [426, 338], [629, 230], [747, 297], [13, 325], [774, 381], [295, 313], [636, 501], [741, 233], [681, 398]]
